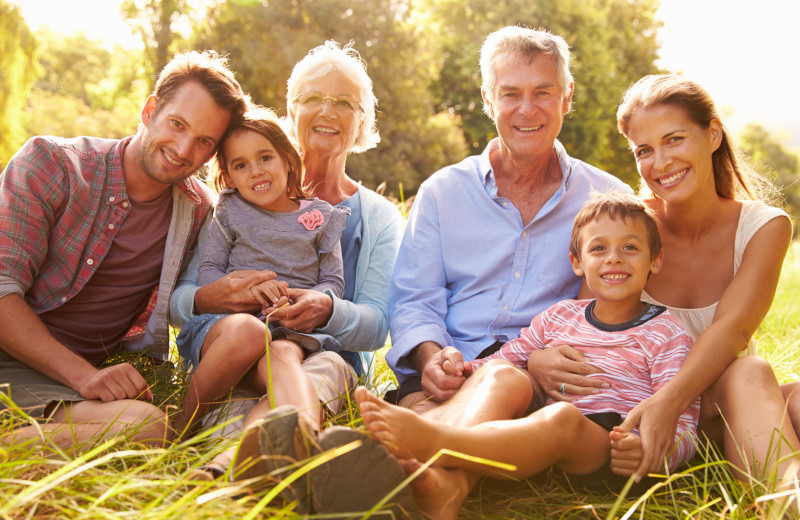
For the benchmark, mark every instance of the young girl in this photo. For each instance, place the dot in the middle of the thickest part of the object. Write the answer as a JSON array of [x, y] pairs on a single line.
[[263, 220]]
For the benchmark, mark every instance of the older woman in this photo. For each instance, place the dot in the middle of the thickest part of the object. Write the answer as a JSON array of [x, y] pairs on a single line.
[[332, 113]]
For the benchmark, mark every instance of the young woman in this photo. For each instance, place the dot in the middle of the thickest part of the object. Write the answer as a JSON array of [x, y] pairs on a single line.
[[723, 252]]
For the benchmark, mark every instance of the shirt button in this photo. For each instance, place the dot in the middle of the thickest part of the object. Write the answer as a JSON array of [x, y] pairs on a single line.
[[90, 262], [111, 226], [63, 299], [112, 199], [516, 275], [505, 204], [505, 307], [125, 204], [524, 234]]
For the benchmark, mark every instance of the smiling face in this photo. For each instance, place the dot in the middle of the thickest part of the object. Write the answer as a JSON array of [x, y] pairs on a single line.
[[257, 171], [673, 153], [182, 135], [323, 130], [528, 104], [615, 258]]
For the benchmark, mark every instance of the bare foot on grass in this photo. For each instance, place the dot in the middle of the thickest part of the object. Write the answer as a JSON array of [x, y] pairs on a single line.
[[438, 492], [404, 433]]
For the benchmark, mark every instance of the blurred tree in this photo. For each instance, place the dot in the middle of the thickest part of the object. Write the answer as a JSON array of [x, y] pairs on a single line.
[[265, 40], [780, 166], [613, 44], [156, 21], [102, 97], [17, 72]]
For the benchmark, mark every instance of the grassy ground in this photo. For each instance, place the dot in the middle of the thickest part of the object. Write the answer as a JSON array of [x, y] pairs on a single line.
[[119, 479]]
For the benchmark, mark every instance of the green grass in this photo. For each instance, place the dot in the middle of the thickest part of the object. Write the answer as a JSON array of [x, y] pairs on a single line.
[[120, 479]]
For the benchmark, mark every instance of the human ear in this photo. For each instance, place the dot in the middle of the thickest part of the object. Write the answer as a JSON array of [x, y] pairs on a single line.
[[715, 129], [148, 110], [577, 265], [567, 106], [655, 263], [487, 103], [228, 180]]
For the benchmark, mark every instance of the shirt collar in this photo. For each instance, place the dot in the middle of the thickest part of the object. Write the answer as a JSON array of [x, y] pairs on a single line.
[[487, 173]]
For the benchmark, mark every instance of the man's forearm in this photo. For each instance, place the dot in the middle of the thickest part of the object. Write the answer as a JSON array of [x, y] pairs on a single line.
[[25, 337]]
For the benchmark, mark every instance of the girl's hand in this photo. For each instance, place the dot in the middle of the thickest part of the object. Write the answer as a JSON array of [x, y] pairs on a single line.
[[626, 451], [564, 368], [272, 293], [307, 310], [658, 421]]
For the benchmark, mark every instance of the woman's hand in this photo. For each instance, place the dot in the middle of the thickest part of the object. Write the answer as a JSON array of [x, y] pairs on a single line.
[[564, 366], [307, 310], [658, 421], [231, 293]]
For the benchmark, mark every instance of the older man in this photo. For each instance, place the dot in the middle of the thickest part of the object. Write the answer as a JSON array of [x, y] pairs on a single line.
[[486, 245], [93, 234]]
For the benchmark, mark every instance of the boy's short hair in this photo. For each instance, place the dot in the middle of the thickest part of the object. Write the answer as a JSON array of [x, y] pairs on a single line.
[[616, 205]]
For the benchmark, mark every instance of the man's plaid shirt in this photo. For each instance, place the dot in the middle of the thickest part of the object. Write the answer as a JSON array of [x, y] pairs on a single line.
[[61, 204]]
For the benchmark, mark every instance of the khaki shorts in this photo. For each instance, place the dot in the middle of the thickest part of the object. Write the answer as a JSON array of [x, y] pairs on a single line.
[[33, 392], [332, 376]]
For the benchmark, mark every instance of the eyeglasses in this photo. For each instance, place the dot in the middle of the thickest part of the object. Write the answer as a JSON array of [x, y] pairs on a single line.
[[343, 105]]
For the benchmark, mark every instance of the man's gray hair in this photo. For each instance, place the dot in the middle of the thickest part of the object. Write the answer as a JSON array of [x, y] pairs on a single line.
[[322, 60], [519, 41]]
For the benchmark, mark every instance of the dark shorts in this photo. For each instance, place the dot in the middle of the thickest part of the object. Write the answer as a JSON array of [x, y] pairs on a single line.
[[414, 383], [603, 480], [30, 390]]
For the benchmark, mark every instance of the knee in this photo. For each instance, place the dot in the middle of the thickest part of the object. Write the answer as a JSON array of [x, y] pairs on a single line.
[[246, 333], [565, 418], [286, 350], [145, 423], [750, 372], [507, 381]]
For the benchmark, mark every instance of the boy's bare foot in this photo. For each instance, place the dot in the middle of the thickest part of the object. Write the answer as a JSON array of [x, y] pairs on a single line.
[[404, 433], [438, 492]]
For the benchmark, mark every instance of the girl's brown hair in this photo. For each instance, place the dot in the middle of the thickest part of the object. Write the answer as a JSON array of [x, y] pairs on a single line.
[[264, 122], [732, 178]]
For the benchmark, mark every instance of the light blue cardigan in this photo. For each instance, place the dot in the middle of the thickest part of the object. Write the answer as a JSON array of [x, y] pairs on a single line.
[[361, 325]]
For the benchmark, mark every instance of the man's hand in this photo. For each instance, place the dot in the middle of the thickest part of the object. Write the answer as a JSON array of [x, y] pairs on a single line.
[[453, 362], [307, 310], [116, 382], [438, 383], [231, 293]]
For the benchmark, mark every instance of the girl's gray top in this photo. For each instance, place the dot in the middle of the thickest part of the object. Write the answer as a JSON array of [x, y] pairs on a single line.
[[243, 236]]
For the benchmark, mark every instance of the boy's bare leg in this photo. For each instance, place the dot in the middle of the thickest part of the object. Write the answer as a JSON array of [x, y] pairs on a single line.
[[556, 435]]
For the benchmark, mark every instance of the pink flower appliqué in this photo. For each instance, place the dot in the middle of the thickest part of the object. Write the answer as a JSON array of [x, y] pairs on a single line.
[[311, 219]]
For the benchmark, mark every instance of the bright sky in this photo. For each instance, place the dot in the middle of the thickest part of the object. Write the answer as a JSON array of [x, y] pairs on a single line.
[[743, 52]]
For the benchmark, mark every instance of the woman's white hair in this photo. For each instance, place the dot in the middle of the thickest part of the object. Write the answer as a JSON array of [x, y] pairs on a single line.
[[322, 60]]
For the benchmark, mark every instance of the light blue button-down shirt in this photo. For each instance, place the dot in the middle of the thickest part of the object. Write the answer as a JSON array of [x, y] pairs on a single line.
[[468, 272]]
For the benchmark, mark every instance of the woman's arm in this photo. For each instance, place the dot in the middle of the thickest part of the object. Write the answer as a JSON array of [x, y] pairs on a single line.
[[360, 325], [741, 309]]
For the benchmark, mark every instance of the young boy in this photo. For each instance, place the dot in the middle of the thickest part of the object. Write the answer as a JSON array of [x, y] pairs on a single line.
[[639, 347]]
